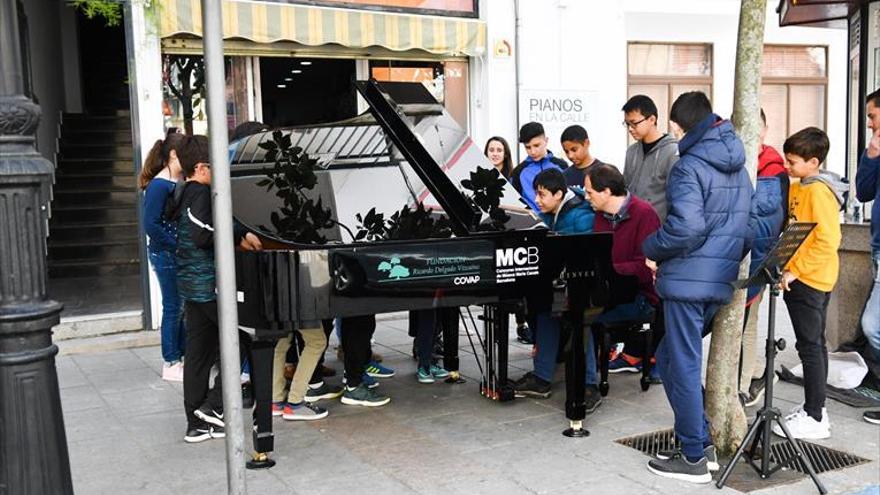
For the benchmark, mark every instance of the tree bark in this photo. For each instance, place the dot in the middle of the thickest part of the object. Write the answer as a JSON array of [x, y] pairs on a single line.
[[727, 420]]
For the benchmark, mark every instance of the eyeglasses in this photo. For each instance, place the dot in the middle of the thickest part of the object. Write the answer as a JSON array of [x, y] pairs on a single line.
[[633, 125]]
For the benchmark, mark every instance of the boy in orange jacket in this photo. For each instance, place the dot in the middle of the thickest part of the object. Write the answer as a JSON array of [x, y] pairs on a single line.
[[815, 195]]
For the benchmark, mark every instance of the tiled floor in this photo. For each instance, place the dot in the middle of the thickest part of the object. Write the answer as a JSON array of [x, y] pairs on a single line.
[[125, 427]]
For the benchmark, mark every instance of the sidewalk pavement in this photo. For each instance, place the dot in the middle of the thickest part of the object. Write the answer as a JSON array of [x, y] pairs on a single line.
[[125, 430]]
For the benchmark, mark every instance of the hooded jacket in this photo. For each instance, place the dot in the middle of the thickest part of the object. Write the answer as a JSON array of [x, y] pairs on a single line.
[[195, 242], [868, 189], [522, 176], [765, 224], [646, 175], [817, 199], [699, 246], [575, 215]]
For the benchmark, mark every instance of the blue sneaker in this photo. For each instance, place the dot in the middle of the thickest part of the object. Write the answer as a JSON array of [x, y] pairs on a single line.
[[624, 363], [376, 370], [424, 375], [438, 372], [366, 379]]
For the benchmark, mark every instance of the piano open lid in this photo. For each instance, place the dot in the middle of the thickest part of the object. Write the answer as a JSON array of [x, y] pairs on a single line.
[[408, 150]]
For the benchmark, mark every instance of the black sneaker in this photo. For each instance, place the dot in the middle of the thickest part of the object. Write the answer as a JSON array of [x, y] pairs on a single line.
[[708, 452], [198, 432], [218, 431], [679, 468], [209, 415], [872, 417], [592, 398], [524, 335], [532, 386], [523, 379], [756, 390]]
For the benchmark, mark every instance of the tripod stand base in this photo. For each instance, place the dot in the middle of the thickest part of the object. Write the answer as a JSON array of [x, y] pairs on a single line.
[[760, 433]]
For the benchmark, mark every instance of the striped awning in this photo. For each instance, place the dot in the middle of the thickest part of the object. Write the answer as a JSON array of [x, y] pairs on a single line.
[[266, 22]]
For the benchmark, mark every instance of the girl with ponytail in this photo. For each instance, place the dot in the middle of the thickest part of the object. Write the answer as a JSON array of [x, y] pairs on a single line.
[[159, 175]]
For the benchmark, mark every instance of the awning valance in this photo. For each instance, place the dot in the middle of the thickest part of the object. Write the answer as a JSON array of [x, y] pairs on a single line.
[[266, 22], [818, 13]]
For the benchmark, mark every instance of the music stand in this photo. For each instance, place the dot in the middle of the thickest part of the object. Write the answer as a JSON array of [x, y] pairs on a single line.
[[770, 273]]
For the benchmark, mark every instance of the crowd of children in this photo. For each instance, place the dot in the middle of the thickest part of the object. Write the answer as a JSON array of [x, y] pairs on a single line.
[[683, 213]]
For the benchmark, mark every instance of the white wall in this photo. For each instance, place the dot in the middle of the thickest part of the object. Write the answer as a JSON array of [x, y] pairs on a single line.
[[44, 38], [581, 45]]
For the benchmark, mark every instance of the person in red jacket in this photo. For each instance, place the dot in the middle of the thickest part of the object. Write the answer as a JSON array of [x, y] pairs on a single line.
[[631, 220]]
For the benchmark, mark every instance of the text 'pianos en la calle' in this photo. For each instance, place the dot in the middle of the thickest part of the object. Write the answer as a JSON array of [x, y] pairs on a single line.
[[406, 151]]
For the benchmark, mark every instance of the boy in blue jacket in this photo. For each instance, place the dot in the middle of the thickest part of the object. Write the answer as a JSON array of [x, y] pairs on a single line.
[[566, 211], [697, 250]]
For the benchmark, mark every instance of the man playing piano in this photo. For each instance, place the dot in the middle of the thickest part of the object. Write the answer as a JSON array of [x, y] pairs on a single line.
[[197, 286]]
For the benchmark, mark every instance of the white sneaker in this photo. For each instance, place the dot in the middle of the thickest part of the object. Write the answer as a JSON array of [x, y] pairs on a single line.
[[801, 425], [173, 372]]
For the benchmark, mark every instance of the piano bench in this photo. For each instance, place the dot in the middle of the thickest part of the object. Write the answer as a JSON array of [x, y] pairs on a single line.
[[606, 334]]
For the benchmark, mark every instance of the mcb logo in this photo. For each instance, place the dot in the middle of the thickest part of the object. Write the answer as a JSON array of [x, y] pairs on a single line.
[[516, 256]]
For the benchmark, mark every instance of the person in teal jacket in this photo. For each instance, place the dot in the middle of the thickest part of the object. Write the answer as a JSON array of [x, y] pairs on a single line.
[[566, 211]]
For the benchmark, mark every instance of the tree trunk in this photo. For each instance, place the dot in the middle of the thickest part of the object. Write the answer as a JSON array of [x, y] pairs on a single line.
[[727, 420]]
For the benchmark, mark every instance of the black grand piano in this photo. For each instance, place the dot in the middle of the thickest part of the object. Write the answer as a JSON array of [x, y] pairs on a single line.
[[406, 151]]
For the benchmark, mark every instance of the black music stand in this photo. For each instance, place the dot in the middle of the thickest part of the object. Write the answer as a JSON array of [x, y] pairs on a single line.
[[770, 273]]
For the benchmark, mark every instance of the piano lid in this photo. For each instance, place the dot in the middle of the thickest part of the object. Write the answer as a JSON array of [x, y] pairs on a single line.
[[408, 150]]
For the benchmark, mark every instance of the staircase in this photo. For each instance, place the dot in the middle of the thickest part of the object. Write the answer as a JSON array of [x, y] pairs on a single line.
[[93, 230]]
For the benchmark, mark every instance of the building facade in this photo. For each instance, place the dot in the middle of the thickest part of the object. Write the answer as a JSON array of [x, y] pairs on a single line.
[[495, 64]]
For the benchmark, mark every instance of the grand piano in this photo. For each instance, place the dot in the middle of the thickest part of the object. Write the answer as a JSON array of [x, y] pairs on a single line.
[[407, 151]]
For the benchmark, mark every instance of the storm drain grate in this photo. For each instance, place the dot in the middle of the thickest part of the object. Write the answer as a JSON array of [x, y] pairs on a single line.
[[824, 459]]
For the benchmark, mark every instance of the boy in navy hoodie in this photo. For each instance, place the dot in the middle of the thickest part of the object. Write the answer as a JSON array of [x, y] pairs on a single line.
[[534, 139]]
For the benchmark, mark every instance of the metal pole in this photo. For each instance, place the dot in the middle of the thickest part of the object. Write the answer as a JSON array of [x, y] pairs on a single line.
[[33, 445], [223, 246]]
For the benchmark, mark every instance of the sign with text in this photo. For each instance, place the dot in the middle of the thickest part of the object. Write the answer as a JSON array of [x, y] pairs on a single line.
[[557, 109]]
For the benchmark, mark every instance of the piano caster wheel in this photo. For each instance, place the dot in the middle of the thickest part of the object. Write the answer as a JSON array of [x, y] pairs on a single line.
[[260, 460], [646, 383], [455, 378], [576, 431]]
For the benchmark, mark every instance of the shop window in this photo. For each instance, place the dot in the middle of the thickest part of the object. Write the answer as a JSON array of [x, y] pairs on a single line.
[[184, 93], [794, 90], [665, 71], [447, 81]]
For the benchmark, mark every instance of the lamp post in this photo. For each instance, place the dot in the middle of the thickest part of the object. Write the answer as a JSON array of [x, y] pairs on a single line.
[[33, 446]]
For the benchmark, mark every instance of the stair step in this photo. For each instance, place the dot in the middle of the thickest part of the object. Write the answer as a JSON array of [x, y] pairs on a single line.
[[73, 173], [91, 268], [72, 139], [96, 151], [102, 181], [106, 212], [87, 197], [66, 165], [84, 123], [96, 252], [73, 233]]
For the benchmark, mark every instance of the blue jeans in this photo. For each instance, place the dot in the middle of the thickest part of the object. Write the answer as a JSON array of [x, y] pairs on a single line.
[[622, 313], [546, 333], [680, 362], [173, 331], [871, 315]]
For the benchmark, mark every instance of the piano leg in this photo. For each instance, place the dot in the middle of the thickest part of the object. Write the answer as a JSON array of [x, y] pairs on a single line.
[[448, 318], [496, 325], [575, 368], [262, 354]]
